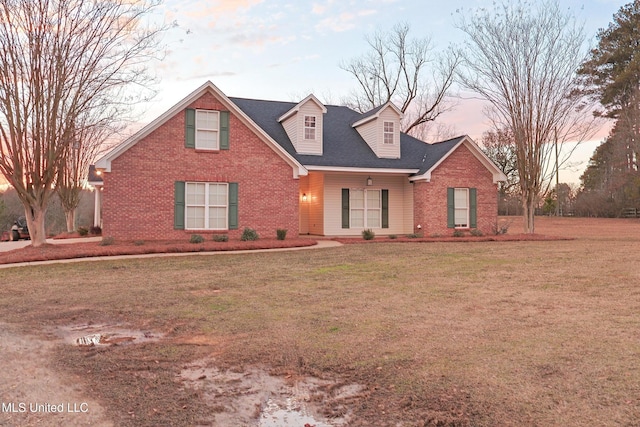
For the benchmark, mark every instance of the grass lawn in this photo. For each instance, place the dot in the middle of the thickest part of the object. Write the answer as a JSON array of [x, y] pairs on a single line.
[[534, 333]]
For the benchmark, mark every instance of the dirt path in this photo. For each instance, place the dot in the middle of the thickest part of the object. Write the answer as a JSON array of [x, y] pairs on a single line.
[[32, 393]]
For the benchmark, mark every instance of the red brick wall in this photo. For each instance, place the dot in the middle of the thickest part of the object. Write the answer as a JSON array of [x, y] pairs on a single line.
[[460, 169], [138, 197]]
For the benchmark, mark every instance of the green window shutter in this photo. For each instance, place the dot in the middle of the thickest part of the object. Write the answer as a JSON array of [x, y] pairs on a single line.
[[451, 209], [345, 208], [190, 128], [473, 208], [224, 130], [178, 205], [385, 208], [233, 206]]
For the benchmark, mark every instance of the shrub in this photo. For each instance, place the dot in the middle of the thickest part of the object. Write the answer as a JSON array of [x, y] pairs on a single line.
[[368, 234], [107, 241], [476, 232], [138, 242], [83, 231], [220, 238], [281, 233], [435, 235], [95, 230], [393, 236], [458, 233], [196, 238], [501, 228], [413, 235], [249, 234]]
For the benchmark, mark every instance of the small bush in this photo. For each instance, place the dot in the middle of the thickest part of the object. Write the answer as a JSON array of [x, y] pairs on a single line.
[[220, 238], [196, 238], [95, 230], [393, 236], [107, 241], [138, 242], [477, 233], [435, 235], [249, 234], [458, 233], [83, 231], [413, 235], [281, 233], [368, 234], [501, 228]]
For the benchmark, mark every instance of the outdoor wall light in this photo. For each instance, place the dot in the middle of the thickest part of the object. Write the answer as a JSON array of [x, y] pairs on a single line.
[[304, 197], [369, 182]]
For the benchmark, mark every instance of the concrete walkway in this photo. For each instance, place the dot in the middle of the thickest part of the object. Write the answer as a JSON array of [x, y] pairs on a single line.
[[9, 246], [322, 244]]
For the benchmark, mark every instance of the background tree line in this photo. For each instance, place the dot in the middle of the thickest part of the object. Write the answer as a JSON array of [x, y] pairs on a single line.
[[611, 182]]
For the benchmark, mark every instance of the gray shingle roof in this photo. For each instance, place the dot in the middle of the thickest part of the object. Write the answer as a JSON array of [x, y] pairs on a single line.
[[343, 145]]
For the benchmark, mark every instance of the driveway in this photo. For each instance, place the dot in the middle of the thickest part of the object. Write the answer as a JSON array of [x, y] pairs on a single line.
[[9, 246]]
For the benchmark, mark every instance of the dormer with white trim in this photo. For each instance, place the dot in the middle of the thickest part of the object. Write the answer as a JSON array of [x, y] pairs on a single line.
[[304, 124], [380, 128]]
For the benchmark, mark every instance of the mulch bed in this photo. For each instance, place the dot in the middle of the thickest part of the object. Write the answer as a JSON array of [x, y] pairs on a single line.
[[94, 249], [51, 252], [493, 238]]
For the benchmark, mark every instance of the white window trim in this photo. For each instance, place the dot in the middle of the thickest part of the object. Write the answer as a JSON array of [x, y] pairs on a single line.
[[314, 128], [456, 209], [206, 205], [392, 133], [217, 131], [366, 208]]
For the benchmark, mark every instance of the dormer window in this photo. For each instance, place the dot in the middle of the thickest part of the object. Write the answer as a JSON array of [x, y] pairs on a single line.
[[310, 127], [388, 133], [303, 125], [207, 130]]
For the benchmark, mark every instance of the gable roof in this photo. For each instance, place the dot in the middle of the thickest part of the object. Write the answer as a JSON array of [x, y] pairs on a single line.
[[297, 107], [441, 150], [375, 113], [104, 162]]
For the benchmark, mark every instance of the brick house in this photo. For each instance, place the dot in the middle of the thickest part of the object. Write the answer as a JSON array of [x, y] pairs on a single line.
[[214, 164]]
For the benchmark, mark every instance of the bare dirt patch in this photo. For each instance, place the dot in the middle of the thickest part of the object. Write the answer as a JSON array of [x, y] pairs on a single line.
[[254, 397], [32, 391]]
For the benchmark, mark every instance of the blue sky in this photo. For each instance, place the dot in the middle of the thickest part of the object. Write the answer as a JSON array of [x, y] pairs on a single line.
[[286, 49]]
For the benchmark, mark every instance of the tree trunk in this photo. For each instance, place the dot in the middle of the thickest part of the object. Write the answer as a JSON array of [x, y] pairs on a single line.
[[35, 222], [70, 216], [528, 212]]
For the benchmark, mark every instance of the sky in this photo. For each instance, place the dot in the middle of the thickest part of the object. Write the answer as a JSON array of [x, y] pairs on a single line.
[[286, 49]]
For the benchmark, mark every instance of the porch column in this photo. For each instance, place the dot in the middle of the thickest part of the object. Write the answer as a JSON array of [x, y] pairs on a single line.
[[97, 207]]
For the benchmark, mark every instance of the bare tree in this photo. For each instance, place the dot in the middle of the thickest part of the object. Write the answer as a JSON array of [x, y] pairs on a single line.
[[89, 140], [63, 60], [498, 145], [404, 71], [522, 58]]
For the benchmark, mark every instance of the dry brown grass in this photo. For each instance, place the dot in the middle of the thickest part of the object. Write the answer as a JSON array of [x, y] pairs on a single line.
[[478, 334]]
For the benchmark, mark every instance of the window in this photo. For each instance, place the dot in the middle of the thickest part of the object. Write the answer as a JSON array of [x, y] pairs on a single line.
[[309, 127], [206, 205], [388, 132], [365, 208], [207, 130], [461, 206]]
